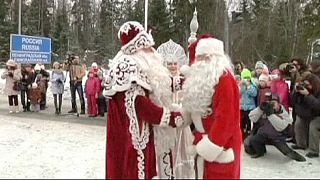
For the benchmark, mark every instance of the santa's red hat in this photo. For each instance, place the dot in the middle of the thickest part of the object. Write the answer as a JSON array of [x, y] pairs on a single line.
[[192, 48], [134, 37]]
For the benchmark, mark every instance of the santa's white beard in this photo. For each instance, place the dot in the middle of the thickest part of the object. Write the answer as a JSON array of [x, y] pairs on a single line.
[[159, 77], [202, 77]]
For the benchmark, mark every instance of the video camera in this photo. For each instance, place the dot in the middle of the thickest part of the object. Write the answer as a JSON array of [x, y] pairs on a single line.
[[300, 86], [268, 106]]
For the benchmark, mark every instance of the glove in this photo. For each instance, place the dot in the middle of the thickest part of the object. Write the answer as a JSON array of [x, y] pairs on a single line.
[[58, 81], [10, 74]]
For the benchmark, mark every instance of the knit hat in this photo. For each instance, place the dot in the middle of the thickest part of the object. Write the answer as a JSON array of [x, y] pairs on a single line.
[[94, 65], [259, 65], [245, 74], [134, 37], [264, 77], [11, 63]]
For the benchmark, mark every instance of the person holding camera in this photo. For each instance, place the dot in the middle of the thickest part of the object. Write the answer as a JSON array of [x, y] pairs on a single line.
[[12, 75], [76, 73], [57, 86], [248, 93], [273, 121], [305, 98]]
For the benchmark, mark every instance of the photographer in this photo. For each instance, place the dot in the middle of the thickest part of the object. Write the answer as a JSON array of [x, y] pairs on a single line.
[[273, 121], [76, 73], [26, 82], [305, 98]]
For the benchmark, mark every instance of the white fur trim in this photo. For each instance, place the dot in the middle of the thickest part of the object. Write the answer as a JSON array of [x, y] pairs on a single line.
[[123, 74], [197, 121], [227, 156], [210, 46], [126, 27], [140, 41], [191, 150], [165, 119], [178, 121], [185, 70], [208, 150]]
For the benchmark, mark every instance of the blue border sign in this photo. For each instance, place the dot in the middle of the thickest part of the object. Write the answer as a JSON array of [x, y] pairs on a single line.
[[30, 49]]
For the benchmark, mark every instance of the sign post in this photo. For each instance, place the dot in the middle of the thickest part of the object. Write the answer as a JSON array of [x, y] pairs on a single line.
[[30, 49]]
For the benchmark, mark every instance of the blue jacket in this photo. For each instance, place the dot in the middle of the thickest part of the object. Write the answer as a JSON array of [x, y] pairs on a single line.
[[248, 95]]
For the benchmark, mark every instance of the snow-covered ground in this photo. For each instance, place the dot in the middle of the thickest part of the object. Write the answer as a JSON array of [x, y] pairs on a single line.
[[41, 145]]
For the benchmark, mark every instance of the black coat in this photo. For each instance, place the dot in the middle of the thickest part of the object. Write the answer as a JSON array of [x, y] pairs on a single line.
[[306, 107]]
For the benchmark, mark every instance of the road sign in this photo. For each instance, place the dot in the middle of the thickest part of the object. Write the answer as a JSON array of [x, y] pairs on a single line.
[[30, 49]]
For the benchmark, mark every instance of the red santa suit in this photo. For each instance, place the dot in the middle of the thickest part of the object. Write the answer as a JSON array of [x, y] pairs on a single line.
[[131, 112], [211, 95]]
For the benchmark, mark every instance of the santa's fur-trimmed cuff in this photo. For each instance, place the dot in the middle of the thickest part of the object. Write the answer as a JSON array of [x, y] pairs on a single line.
[[208, 150], [227, 156], [165, 119]]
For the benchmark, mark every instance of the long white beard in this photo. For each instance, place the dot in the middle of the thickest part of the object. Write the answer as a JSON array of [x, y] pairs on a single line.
[[202, 77], [159, 77]]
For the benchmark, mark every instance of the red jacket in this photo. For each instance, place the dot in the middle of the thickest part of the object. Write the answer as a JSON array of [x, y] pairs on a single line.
[[281, 88], [93, 86]]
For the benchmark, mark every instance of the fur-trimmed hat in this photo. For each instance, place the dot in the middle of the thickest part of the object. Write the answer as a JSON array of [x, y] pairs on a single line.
[[134, 37], [210, 46], [11, 63], [192, 48]]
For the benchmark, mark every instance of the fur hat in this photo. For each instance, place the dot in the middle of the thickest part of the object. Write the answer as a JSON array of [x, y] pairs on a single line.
[[210, 46], [134, 37], [56, 64], [11, 63], [34, 85], [264, 77], [192, 48]]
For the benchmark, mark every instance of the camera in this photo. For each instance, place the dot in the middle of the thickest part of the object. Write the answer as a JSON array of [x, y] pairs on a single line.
[[69, 59], [267, 107], [289, 67], [300, 86]]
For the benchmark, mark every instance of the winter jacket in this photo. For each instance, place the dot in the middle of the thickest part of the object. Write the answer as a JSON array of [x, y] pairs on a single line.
[[26, 79], [93, 86], [274, 126], [306, 107], [57, 81], [35, 95], [281, 88], [77, 72], [248, 95], [11, 80]]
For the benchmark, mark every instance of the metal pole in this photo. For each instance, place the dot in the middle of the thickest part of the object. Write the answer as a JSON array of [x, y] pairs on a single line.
[[19, 21], [226, 30], [145, 14]]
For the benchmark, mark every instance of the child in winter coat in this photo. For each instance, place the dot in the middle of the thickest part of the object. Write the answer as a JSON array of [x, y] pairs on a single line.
[[57, 86], [248, 92], [280, 87], [12, 75], [35, 94], [264, 88], [92, 89]]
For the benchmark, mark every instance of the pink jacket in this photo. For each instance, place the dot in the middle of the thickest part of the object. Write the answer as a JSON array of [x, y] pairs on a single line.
[[280, 87], [93, 86]]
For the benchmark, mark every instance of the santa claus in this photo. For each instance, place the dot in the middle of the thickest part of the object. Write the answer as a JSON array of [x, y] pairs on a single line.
[[211, 100], [138, 86]]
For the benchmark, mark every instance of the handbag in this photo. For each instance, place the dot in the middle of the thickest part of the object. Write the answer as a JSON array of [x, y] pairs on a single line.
[[17, 86]]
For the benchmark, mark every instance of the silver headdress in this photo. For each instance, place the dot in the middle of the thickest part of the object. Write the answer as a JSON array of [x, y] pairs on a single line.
[[172, 52]]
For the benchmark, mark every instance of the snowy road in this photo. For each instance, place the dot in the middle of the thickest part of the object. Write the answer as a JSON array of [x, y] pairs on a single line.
[[44, 146]]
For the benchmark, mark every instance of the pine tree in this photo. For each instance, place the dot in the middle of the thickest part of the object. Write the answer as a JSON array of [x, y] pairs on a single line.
[[5, 30]]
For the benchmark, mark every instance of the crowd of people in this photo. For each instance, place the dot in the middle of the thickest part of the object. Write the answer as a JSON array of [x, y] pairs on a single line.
[[283, 106], [31, 82], [168, 119]]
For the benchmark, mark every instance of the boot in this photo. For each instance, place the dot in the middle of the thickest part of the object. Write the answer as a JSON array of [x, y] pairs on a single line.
[[10, 109], [16, 109], [55, 104], [82, 111], [57, 111], [295, 156], [312, 155], [60, 103]]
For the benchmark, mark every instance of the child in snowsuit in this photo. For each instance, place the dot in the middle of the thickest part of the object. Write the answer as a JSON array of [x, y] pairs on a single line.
[[92, 90], [35, 95]]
